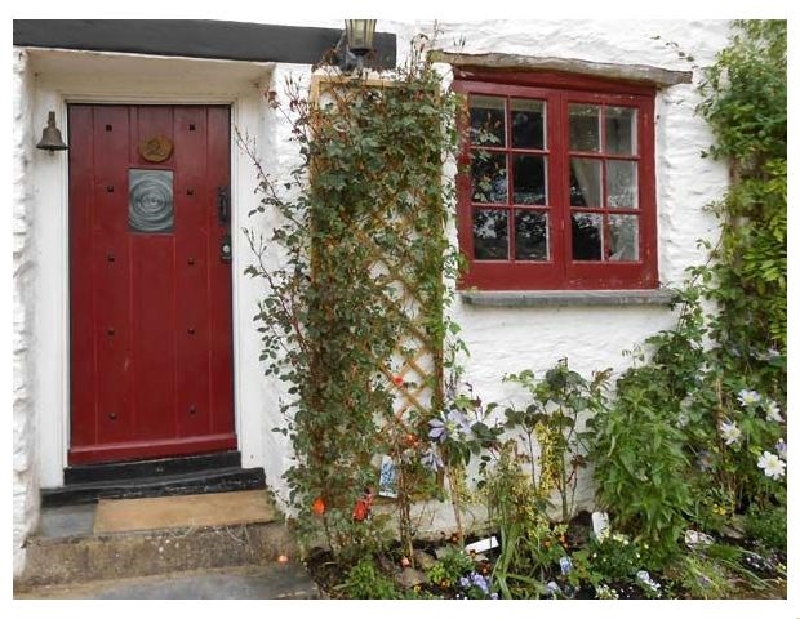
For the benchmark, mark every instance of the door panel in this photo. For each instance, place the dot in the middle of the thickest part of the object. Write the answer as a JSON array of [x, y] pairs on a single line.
[[151, 327]]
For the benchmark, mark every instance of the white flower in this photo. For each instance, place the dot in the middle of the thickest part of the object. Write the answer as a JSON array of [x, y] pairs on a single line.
[[604, 592], [683, 420], [747, 397], [600, 524], [773, 466], [773, 411], [695, 538], [729, 432], [644, 576]]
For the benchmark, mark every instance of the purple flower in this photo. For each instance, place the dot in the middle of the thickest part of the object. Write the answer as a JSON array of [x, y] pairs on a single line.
[[438, 431], [474, 579], [480, 581], [431, 460], [454, 423], [780, 447], [566, 565]]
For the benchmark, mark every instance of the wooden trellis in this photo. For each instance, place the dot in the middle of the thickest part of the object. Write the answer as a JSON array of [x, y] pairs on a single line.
[[415, 369]]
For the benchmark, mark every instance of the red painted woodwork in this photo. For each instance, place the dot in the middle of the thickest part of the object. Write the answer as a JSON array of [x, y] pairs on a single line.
[[151, 366], [560, 271]]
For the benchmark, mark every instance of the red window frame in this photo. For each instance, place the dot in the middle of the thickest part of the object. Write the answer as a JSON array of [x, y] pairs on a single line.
[[560, 271]]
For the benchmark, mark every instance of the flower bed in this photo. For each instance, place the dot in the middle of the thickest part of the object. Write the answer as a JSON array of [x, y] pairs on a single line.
[[608, 566]]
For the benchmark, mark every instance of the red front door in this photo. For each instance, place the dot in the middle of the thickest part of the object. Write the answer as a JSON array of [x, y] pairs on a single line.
[[150, 282]]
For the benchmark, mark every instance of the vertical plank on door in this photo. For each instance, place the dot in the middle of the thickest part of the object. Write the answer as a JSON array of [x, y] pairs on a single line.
[[193, 200], [153, 307], [82, 268], [219, 283], [111, 303]]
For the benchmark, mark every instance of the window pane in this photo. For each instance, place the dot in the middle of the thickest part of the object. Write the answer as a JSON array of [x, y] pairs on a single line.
[[584, 128], [585, 182], [490, 234], [489, 182], [621, 130], [527, 123], [624, 233], [531, 235], [530, 179], [587, 236], [150, 207], [487, 116], [622, 186]]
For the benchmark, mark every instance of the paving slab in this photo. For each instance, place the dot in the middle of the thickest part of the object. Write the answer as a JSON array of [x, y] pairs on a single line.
[[278, 581], [61, 522]]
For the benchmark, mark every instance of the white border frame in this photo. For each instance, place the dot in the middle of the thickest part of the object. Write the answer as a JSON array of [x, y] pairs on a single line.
[[51, 356]]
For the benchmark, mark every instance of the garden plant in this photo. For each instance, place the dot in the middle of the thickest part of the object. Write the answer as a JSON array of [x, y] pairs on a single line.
[[687, 448]]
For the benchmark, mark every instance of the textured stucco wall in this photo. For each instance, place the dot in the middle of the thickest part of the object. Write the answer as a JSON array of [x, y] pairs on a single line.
[[500, 340], [508, 340], [25, 486]]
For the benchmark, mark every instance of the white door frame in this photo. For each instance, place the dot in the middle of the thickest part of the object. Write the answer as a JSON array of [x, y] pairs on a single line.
[[63, 77]]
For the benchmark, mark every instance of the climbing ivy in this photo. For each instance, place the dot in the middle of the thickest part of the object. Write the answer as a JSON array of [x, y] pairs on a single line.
[[687, 439]]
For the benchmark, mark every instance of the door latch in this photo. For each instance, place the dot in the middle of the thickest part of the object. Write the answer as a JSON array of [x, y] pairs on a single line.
[[223, 204]]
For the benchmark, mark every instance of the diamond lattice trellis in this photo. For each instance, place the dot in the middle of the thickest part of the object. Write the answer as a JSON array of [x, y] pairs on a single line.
[[415, 369]]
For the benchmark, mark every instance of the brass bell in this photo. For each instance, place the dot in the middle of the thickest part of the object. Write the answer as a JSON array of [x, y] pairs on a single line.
[[51, 136]]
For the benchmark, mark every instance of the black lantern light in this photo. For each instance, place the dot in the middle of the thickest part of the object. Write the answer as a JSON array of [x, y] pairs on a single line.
[[360, 34]]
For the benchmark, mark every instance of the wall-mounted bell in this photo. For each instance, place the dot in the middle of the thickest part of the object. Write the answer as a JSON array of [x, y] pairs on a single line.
[[51, 136]]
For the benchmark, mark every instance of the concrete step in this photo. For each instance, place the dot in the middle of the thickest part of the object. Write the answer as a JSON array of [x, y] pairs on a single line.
[[277, 581], [143, 537]]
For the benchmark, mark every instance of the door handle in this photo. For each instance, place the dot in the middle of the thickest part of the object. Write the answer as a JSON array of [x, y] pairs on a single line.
[[223, 204]]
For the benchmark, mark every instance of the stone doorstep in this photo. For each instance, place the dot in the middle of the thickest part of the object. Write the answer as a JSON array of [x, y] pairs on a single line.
[[277, 581], [142, 537], [112, 556]]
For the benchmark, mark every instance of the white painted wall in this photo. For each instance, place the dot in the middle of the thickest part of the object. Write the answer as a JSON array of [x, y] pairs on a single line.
[[25, 487], [500, 340]]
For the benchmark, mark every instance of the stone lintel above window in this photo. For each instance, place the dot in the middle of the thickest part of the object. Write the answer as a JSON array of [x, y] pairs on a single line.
[[637, 73]]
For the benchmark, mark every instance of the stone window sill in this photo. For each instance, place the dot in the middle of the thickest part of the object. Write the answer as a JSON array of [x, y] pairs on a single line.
[[567, 298]]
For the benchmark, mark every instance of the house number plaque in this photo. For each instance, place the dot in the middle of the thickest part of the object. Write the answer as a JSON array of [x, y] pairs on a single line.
[[156, 149]]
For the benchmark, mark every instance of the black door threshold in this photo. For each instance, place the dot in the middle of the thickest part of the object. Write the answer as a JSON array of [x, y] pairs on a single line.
[[153, 478], [116, 471]]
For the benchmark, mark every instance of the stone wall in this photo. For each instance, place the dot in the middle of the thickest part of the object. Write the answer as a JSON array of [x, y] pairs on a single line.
[[25, 486]]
